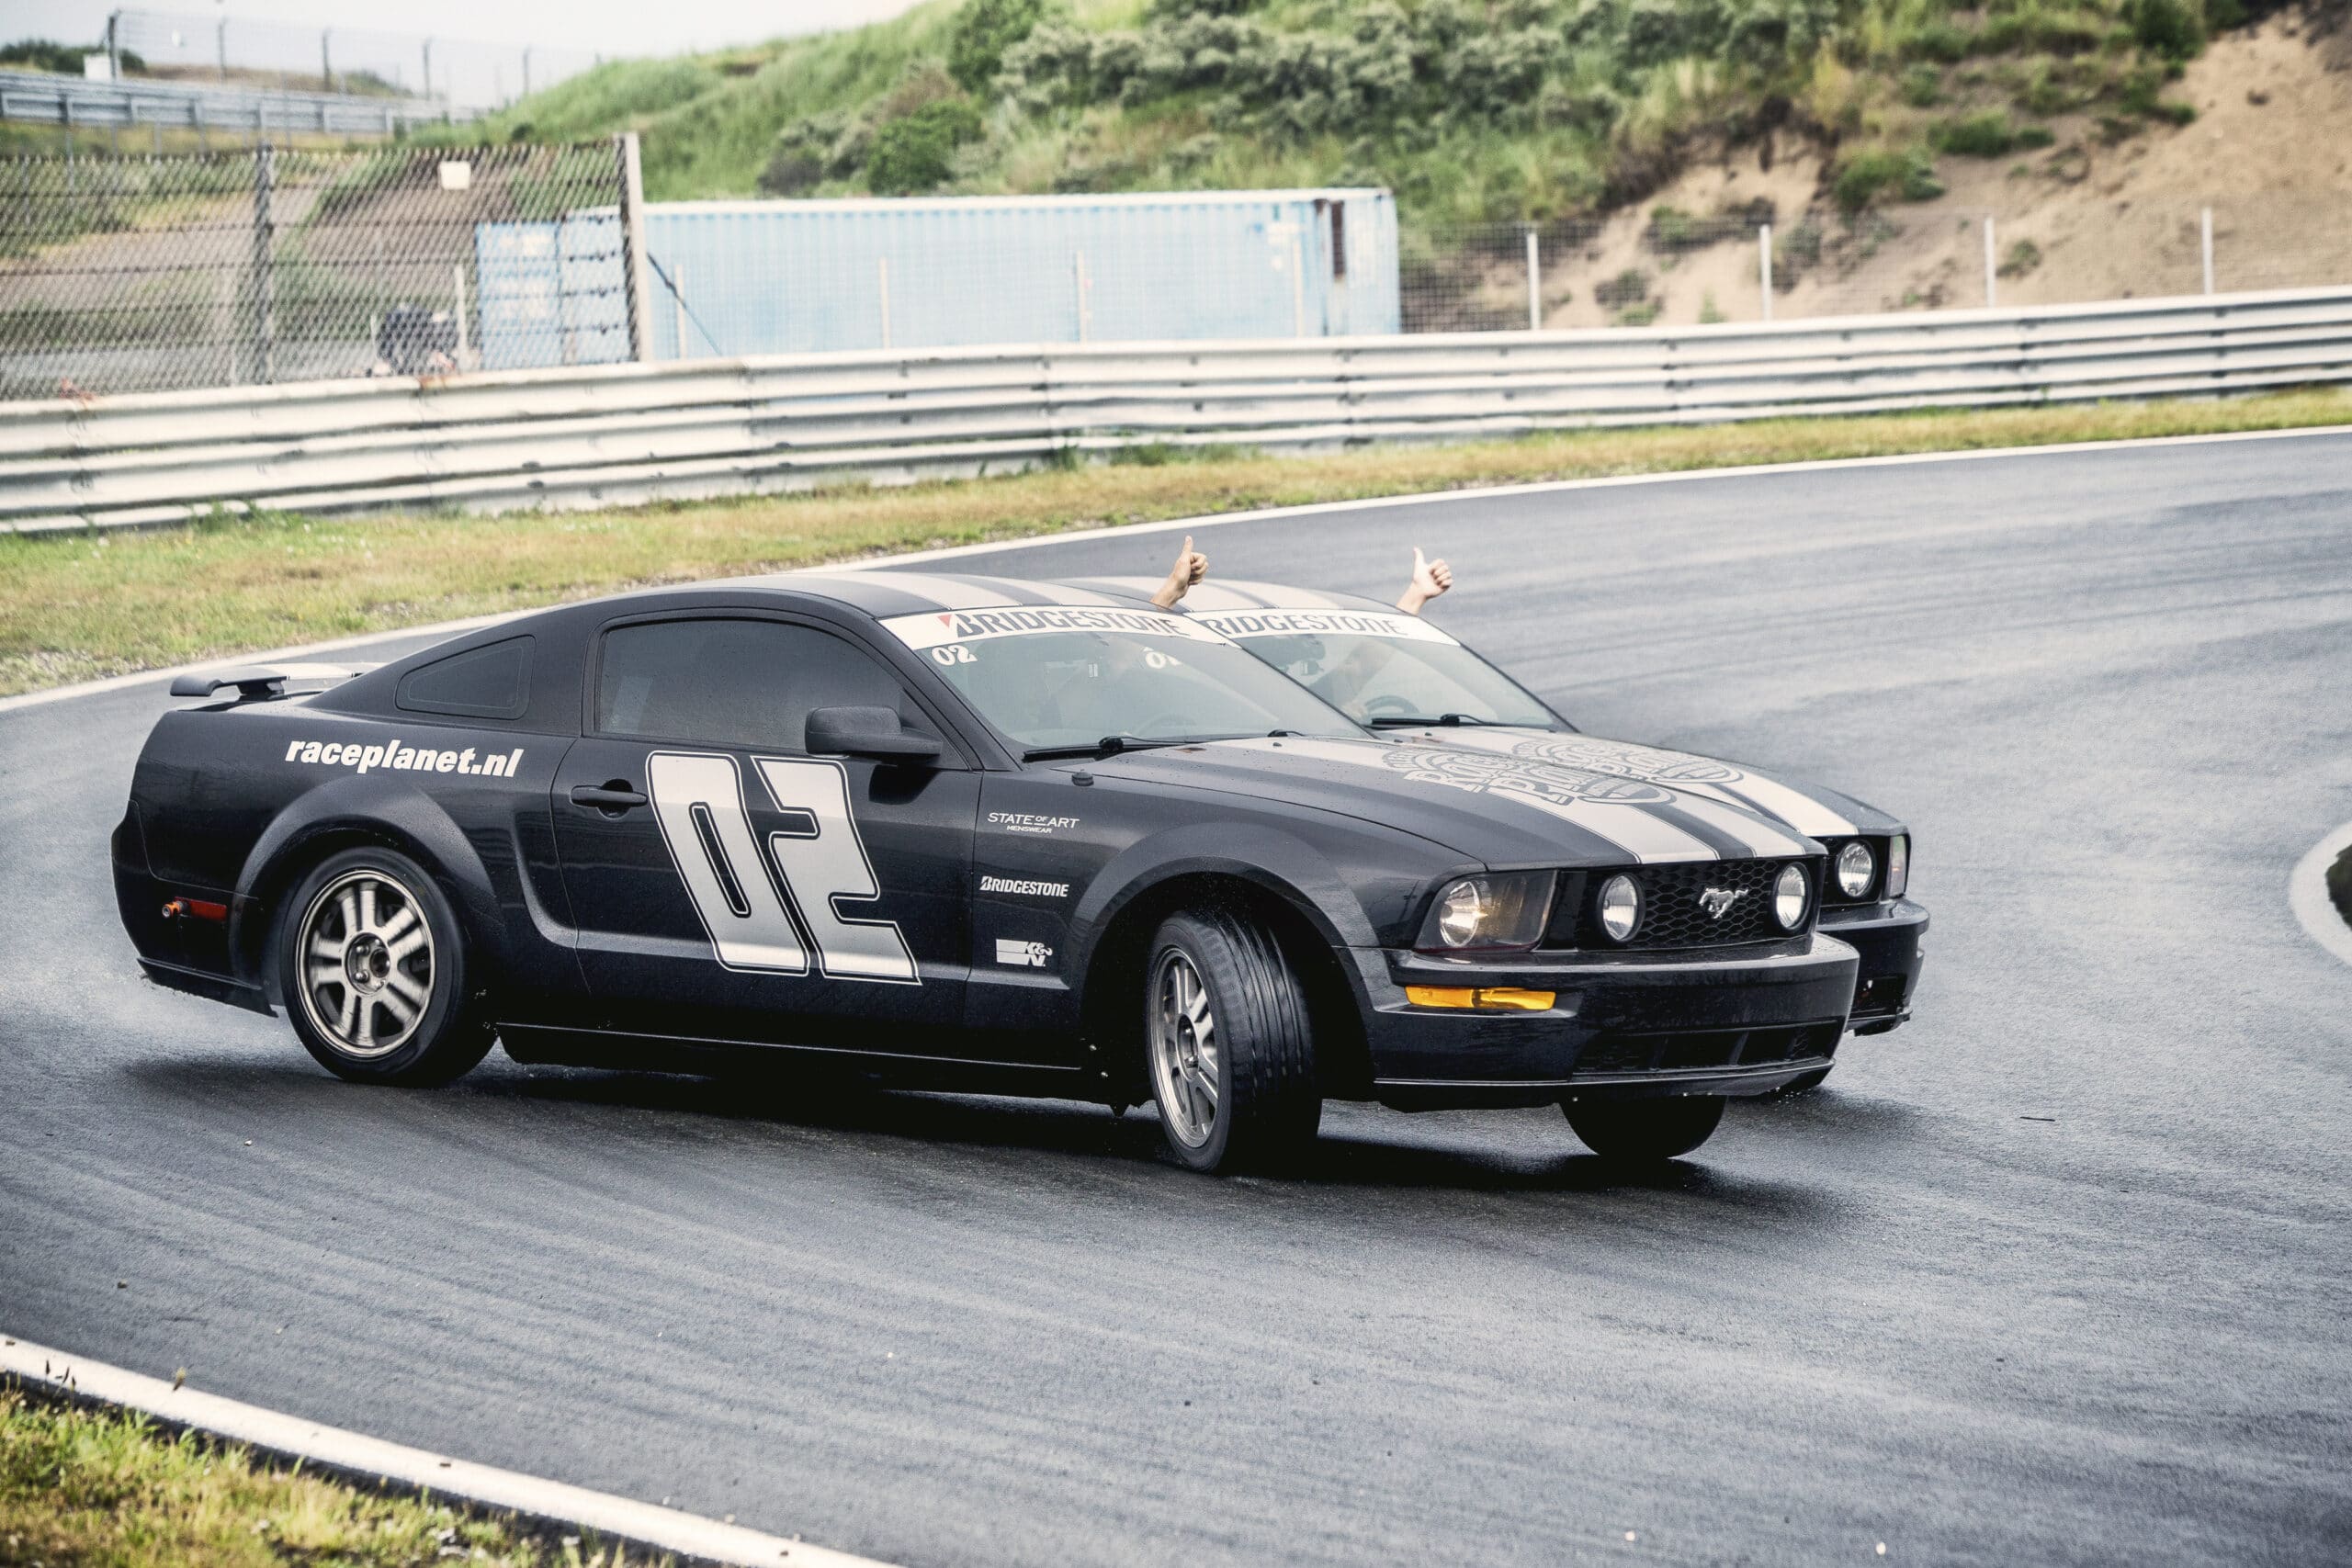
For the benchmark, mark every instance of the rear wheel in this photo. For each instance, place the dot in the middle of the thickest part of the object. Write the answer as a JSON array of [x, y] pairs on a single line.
[[1228, 1044], [1645, 1132], [372, 971]]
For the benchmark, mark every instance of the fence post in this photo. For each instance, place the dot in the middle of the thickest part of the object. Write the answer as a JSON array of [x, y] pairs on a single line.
[[265, 288], [428, 69], [465, 338], [1992, 269], [221, 42], [1085, 304], [633, 293], [114, 46], [2206, 223], [326, 68], [1764, 265], [1535, 282]]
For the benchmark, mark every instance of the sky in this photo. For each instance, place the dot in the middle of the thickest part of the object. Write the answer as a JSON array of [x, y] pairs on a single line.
[[610, 27]]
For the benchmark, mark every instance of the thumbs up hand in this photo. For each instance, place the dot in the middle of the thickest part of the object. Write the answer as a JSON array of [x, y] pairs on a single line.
[[1430, 577], [1191, 566]]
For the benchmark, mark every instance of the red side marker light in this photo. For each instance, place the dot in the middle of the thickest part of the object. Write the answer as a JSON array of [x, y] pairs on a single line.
[[195, 909]]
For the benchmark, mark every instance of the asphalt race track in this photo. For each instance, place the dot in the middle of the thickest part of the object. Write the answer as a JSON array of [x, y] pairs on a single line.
[[2058, 1273]]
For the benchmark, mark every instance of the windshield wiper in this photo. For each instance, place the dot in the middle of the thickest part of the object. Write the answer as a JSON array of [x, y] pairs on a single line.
[[1111, 745], [1409, 721]]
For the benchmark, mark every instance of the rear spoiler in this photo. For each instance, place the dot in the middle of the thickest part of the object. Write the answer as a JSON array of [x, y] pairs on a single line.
[[265, 680]]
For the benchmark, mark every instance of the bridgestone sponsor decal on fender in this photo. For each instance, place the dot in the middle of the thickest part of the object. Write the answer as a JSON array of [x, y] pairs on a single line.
[[397, 756], [1240, 625], [936, 628]]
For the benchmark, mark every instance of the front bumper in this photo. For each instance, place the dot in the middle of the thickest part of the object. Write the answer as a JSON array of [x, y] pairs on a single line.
[[1886, 937], [1620, 1027]]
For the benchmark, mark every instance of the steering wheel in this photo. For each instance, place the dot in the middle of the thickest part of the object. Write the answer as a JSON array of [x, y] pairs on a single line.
[[1388, 702]]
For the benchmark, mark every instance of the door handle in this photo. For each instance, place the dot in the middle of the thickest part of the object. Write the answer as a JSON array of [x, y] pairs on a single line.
[[614, 795]]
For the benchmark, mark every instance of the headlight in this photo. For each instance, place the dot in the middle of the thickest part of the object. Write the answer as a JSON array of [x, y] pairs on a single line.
[[1500, 909], [1898, 865], [1855, 867], [1621, 908], [1788, 897]]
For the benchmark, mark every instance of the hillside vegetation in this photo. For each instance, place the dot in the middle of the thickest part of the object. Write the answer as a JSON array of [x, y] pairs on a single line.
[[1472, 110]]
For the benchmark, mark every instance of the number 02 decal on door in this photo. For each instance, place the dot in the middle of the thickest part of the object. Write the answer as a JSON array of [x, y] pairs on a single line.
[[747, 899]]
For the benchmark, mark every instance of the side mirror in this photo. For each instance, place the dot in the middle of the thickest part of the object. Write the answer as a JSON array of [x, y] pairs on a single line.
[[873, 732]]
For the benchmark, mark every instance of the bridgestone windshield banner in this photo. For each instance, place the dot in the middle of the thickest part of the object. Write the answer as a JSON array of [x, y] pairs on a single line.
[[936, 628], [1243, 623]]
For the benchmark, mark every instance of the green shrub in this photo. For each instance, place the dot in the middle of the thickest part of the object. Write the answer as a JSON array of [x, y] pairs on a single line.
[[1629, 287], [1923, 87], [1940, 41], [2173, 28], [2023, 257], [1640, 315], [1874, 173], [911, 153], [1977, 136], [984, 31]]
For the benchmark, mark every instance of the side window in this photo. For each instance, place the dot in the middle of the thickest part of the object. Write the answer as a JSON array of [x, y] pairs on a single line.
[[481, 683], [735, 682]]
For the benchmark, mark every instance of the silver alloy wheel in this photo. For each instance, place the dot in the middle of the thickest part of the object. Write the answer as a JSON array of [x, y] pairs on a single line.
[[367, 964], [1184, 1050]]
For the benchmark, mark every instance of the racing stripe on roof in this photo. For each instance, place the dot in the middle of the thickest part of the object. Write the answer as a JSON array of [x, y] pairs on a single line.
[[873, 592], [942, 591]]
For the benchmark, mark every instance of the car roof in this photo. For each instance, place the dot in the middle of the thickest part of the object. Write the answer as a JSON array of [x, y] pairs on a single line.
[[1232, 593], [886, 591]]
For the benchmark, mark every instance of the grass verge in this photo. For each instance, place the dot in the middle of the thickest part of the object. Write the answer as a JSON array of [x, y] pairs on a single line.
[[74, 607], [81, 1487]]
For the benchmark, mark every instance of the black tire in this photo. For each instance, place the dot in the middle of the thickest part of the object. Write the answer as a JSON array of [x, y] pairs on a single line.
[[1266, 1103], [439, 1029], [1645, 1132]]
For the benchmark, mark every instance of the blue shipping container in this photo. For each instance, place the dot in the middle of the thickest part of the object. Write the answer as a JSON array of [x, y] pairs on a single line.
[[551, 293], [740, 277]]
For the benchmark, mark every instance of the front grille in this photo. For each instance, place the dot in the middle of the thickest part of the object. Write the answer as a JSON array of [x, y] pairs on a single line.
[[1616, 1055], [1672, 916]]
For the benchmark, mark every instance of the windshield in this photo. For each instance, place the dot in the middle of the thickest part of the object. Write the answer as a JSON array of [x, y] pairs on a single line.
[[1383, 668], [1053, 676]]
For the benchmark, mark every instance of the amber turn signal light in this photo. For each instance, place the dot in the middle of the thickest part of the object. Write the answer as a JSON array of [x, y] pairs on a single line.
[[1480, 999]]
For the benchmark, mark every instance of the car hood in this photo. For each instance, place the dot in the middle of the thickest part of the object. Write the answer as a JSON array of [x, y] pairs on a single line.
[[1499, 809], [1810, 809]]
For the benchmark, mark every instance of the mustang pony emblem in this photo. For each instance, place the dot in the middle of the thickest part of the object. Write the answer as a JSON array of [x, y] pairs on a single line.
[[1717, 900]]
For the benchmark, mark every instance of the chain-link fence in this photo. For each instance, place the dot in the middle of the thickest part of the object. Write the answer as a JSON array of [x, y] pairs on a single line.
[[1659, 266], [280, 264]]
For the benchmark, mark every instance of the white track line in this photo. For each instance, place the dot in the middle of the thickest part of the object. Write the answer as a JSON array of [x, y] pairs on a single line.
[[1369, 503], [638, 1524], [2307, 895]]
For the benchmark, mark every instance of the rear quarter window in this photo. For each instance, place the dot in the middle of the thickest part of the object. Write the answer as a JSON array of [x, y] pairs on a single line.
[[491, 681]]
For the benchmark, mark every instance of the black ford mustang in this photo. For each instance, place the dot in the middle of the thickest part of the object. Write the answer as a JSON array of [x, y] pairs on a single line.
[[1399, 674], [961, 832]]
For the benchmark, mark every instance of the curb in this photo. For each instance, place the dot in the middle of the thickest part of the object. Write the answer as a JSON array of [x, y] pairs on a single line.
[[374, 1463]]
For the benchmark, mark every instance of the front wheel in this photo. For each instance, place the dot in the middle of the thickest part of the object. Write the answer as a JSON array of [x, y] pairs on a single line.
[[1645, 1132], [372, 970], [1229, 1047]]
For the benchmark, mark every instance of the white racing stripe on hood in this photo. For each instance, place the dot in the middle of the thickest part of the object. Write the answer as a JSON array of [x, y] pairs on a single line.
[[1691, 774], [1613, 810], [1763, 838]]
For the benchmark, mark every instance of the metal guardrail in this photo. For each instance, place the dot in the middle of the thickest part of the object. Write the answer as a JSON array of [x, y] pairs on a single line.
[[73, 101], [619, 434]]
